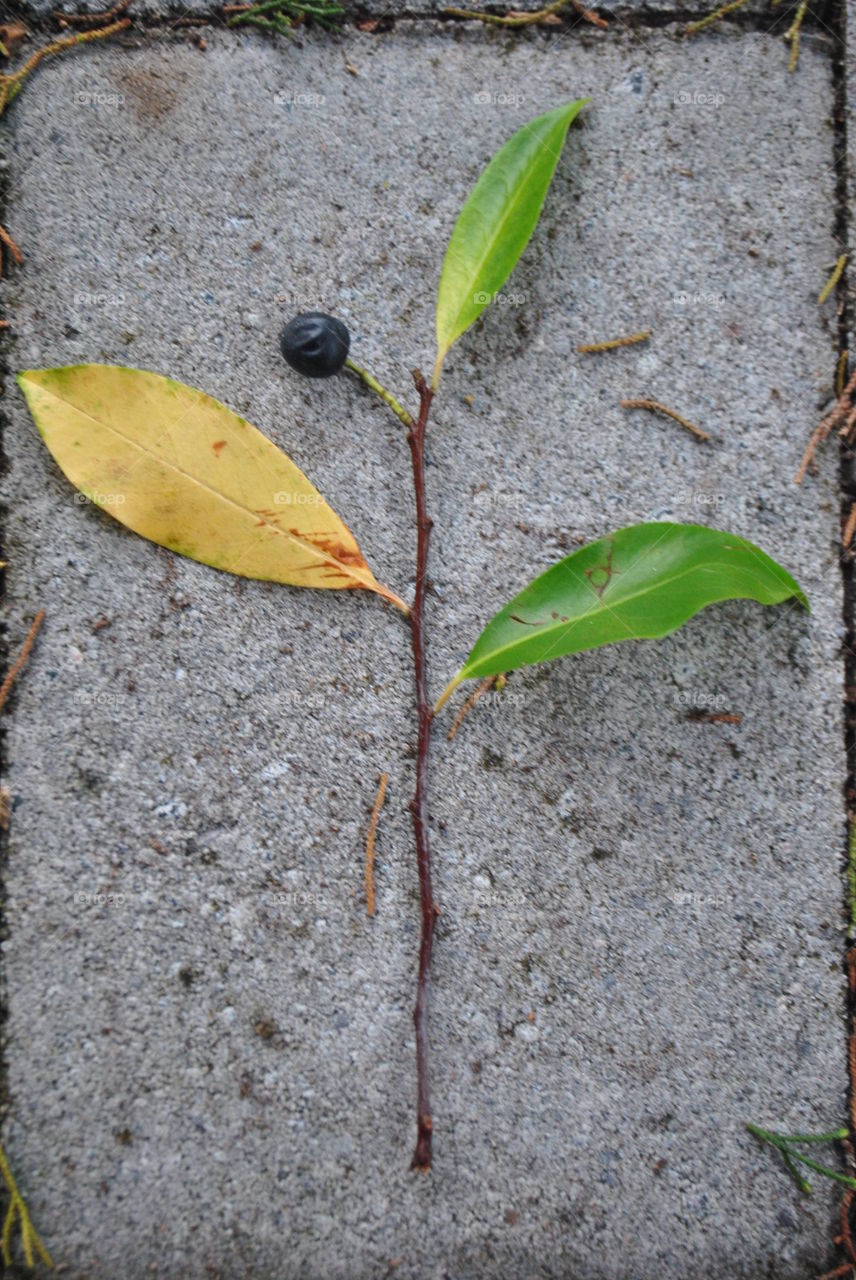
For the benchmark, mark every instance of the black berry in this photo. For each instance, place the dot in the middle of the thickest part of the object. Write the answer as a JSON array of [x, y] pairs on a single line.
[[315, 344]]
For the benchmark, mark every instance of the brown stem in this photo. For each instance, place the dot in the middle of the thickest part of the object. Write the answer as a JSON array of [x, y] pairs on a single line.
[[419, 803]]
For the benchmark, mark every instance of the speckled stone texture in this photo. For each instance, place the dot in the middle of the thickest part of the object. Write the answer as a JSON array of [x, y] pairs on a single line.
[[210, 1065]]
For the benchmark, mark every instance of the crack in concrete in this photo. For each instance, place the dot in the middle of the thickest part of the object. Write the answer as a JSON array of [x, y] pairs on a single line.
[[622, 19], [847, 481]]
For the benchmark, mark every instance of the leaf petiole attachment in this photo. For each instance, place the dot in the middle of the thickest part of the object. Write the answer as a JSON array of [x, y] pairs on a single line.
[[379, 389], [448, 691]]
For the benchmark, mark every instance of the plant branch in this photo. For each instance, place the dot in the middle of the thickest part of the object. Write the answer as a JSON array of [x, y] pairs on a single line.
[[21, 660], [379, 389], [419, 803], [843, 412], [832, 281], [654, 406], [716, 16], [11, 85], [481, 689], [793, 35], [370, 843], [530, 19], [18, 1209], [589, 348]]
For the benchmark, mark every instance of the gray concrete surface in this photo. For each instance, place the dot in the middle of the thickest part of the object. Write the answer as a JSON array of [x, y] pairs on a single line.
[[211, 1073]]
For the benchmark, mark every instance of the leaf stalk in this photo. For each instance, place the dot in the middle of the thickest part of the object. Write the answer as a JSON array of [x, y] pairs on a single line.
[[447, 692], [379, 389]]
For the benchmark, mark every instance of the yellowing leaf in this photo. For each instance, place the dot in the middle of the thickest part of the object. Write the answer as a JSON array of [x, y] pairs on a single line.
[[178, 467]]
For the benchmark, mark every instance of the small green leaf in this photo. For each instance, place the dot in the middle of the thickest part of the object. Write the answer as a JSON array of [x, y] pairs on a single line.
[[496, 222], [639, 583]]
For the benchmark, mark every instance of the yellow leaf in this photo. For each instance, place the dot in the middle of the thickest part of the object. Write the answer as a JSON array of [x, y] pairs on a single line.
[[180, 468]]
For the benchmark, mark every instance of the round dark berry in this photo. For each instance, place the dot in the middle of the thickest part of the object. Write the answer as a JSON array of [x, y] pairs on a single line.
[[315, 344]]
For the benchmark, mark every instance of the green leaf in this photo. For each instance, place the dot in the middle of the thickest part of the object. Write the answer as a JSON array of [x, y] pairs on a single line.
[[178, 467], [639, 583], [496, 222]]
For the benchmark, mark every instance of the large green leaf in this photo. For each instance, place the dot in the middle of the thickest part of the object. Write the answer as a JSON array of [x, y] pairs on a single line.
[[496, 222], [639, 583]]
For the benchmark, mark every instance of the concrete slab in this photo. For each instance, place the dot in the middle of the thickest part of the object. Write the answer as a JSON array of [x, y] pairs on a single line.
[[211, 1071]]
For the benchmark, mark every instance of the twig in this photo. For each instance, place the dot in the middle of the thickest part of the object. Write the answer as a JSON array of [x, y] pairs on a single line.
[[832, 282], [386, 396], [10, 86], [849, 528], [12, 247], [793, 34], [822, 430], [841, 372], [20, 662], [817, 437], [480, 690], [528, 19], [851, 975], [419, 804], [654, 406], [370, 843], [698, 716], [590, 348], [717, 14], [91, 19], [845, 1238], [846, 1234], [17, 1208]]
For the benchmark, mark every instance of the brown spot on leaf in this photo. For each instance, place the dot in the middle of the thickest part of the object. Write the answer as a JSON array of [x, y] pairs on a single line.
[[329, 545], [218, 445], [601, 575]]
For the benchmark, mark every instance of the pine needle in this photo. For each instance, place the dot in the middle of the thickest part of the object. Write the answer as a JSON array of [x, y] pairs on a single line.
[[611, 344], [654, 406]]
